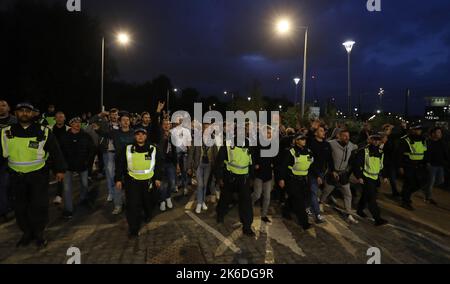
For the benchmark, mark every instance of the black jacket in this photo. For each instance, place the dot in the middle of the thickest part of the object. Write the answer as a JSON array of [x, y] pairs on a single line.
[[323, 159], [437, 154], [265, 170], [78, 150]]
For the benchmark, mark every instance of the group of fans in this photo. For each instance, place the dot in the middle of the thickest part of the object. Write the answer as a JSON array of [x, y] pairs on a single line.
[[145, 159]]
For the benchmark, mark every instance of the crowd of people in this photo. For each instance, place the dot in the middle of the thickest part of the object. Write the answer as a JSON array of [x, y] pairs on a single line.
[[145, 160]]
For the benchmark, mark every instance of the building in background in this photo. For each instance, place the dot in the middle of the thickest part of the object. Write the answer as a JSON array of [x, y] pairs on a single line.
[[437, 109]]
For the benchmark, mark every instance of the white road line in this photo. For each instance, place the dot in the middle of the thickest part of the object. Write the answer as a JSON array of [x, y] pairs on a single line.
[[403, 229], [217, 234], [283, 236]]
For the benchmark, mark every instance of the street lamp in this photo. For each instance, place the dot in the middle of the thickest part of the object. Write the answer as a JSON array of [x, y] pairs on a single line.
[[284, 27], [296, 82], [123, 39], [381, 94], [349, 46], [249, 99]]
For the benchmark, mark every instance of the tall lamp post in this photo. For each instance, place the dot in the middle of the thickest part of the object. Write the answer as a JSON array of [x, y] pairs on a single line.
[[283, 27], [123, 39], [349, 46], [381, 94], [296, 82]]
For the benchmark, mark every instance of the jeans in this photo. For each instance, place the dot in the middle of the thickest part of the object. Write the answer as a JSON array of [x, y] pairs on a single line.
[[315, 195], [203, 172], [182, 158], [436, 177], [346, 192], [68, 203], [265, 188], [109, 165], [168, 185]]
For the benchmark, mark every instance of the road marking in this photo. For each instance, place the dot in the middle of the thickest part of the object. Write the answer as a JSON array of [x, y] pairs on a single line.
[[283, 236], [236, 234], [216, 233], [331, 228]]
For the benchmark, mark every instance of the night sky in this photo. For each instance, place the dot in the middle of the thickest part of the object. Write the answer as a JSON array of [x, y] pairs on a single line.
[[218, 45]]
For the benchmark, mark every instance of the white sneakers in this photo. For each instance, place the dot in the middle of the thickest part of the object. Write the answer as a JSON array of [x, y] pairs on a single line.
[[352, 220], [162, 206], [57, 200], [110, 198], [185, 191], [117, 210], [169, 203], [201, 207]]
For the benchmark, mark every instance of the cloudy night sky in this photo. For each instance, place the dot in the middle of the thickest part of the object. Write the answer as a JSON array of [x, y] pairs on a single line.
[[218, 45]]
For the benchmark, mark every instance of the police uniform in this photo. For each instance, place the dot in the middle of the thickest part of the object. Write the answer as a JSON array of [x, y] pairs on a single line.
[[294, 172], [412, 153], [27, 150], [138, 167], [235, 168], [369, 166]]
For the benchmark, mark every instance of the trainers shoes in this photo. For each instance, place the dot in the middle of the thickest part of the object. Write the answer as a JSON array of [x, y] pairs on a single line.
[[265, 219], [185, 191], [162, 206], [117, 210], [67, 215], [109, 198], [57, 200], [169, 203], [204, 207], [320, 219], [198, 210], [351, 220]]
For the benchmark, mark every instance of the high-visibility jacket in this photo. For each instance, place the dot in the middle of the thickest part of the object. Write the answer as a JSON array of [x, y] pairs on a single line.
[[141, 166], [239, 160], [372, 165], [417, 149], [302, 163], [24, 154]]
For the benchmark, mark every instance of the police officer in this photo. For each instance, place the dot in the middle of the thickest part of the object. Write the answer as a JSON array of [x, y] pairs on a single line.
[[411, 154], [138, 172], [27, 146], [294, 176], [368, 165], [234, 168]]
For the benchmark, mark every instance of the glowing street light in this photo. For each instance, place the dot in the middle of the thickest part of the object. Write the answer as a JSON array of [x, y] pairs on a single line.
[[283, 27], [123, 39], [249, 99], [349, 46], [296, 82]]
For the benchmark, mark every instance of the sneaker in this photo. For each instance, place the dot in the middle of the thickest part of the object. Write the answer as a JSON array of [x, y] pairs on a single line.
[[110, 198], [185, 191], [380, 222], [117, 210], [169, 203], [265, 219], [361, 214], [407, 206], [198, 210], [67, 215], [351, 220], [320, 219], [249, 233], [213, 199], [162, 206], [204, 207], [309, 212], [57, 200]]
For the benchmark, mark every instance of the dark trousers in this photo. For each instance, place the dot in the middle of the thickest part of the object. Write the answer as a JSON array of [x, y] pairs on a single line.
[[392, 176], [5, 196], [298, 194], [415, 179], [140, 201], [31, 208], [369, 196], [59, 188], [239, 184]]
